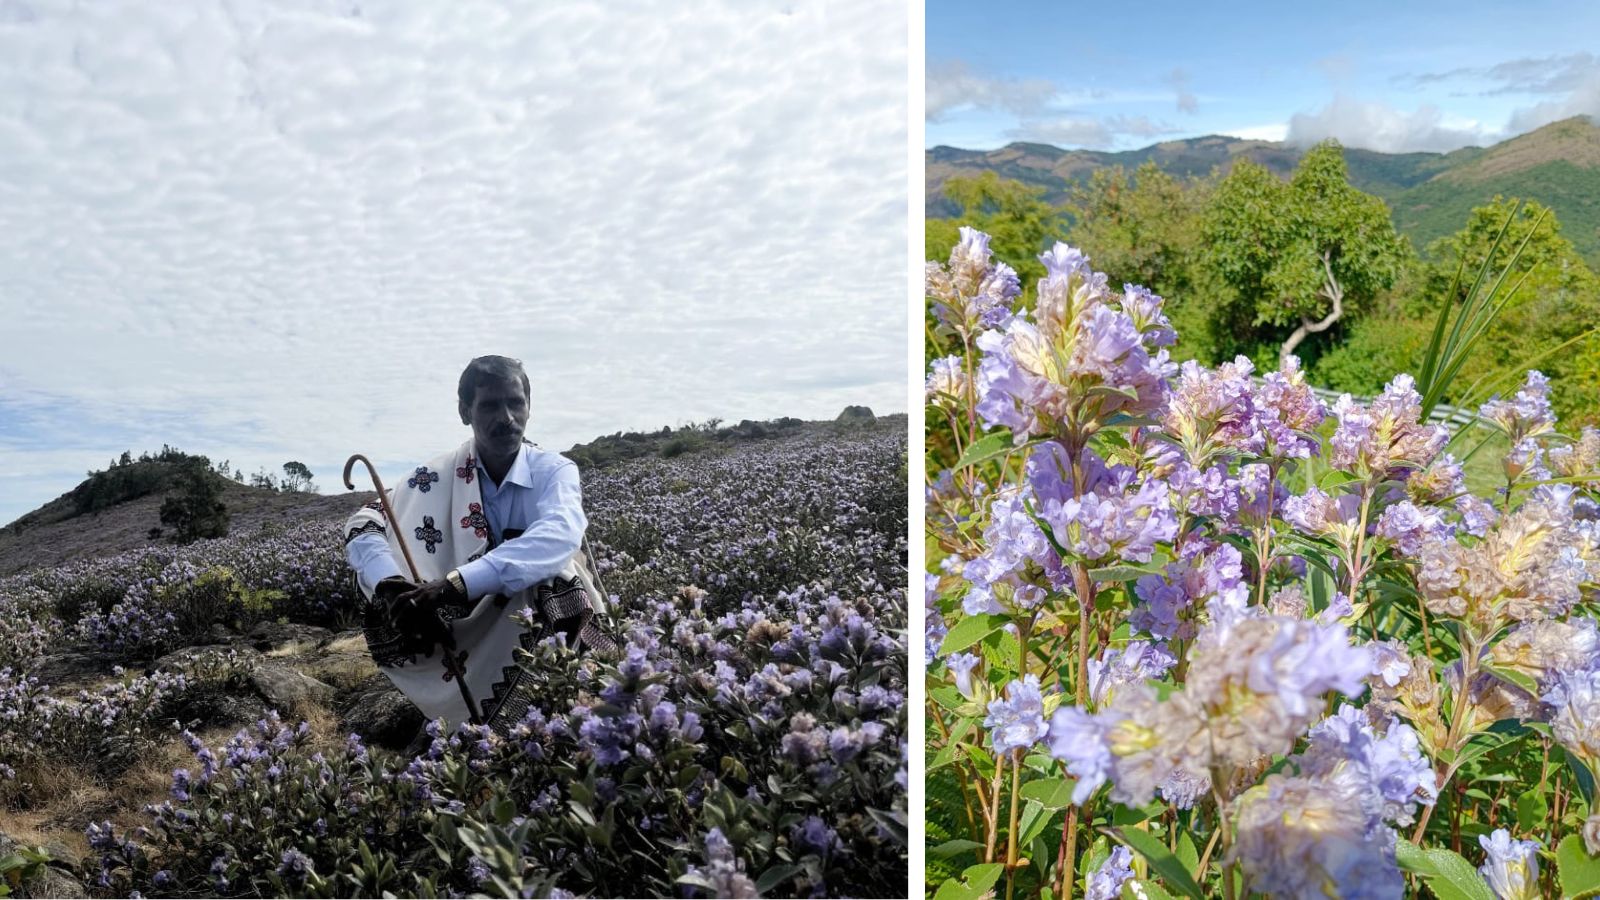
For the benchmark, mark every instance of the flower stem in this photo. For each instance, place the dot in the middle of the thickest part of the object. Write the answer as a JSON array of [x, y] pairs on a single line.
[[1011, 833], [1067, 860], [994, 811]]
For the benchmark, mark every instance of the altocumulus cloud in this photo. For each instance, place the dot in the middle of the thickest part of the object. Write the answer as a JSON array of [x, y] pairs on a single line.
[[277, 230]]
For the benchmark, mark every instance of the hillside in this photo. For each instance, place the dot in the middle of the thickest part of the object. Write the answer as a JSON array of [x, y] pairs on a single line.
[[51, 535], [55, 533], [1429, 194], [229, 683]]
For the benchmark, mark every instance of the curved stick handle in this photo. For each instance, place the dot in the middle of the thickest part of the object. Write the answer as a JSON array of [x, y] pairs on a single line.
[[388, 511]]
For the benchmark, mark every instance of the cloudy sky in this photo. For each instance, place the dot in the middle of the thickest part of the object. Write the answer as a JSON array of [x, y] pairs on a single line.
[[266, 231], [1384, 76]]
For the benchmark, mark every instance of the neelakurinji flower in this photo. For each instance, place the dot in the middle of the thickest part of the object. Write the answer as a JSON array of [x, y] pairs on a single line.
[[1106, 882], [1580, 459], [1289, 412], [1212, 411], [1409, 526], [1259, 680], [1112, 516], [1386, 438], [1510, 866], [1017, 556], [1206, 581], [1139, 744], [1527, 566], [1528, 414], [1313, 837], [1573, 701], [1016, 721], [1080, 360], [973, 292], [1138, 662], [947, 383]]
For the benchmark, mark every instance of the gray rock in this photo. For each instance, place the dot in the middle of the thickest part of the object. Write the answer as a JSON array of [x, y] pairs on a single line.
[[270, 636], [71, 667], [289, 690], [382, 716], [178, 658], [54, 878]]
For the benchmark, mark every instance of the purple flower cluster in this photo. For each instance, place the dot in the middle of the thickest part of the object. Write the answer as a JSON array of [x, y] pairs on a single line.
[[1528, 414], [972, 292], [1016, 722], [1207, 581], [1213, 411], [1114, 516], [1080, 360], [1386, 438]]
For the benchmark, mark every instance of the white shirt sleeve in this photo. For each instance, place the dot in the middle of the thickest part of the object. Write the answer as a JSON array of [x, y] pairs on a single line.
[[542, 549], [369, 555]]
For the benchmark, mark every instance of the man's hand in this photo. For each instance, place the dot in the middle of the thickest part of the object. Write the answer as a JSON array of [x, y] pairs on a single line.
[[432, 594], [415, 612]]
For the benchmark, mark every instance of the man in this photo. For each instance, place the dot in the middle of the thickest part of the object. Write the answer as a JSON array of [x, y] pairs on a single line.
[[493, 526]]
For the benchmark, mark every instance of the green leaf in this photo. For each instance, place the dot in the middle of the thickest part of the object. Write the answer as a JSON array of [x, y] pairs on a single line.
[[1582, 775], [1448, 875], [775, 876], [982, 760], [1532, 808], [971, 630], [1038, 820], [1051, 793], [995, 443], [1481, 744], [1146, 888], [953, 848], [1579, 872], [975, 881], [698, 881], [1519, 679], [1161, 860], [1123, 572], [1188, 854]]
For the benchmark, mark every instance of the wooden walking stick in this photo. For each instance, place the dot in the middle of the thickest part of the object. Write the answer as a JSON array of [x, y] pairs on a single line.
[[454, 667]]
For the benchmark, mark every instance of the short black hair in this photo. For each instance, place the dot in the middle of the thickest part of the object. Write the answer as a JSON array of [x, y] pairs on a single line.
[[488, 368]]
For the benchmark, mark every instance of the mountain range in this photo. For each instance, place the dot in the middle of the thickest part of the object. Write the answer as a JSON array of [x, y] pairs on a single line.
[[1429, 194]]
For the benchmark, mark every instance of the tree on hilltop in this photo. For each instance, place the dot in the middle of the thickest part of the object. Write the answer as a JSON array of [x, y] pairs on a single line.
[[196, 510], [296, 477]]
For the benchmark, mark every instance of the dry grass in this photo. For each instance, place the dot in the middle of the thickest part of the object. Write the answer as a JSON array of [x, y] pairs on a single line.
[[355, 643], [293, 648], [343, 671]]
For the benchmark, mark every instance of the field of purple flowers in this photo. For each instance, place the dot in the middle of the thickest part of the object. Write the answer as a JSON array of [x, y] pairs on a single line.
[[1195, 633], [749, 739]]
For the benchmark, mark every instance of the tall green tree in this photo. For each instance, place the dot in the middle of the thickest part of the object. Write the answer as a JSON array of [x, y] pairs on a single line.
[[195, 509], [296, 477], [1302, 256]]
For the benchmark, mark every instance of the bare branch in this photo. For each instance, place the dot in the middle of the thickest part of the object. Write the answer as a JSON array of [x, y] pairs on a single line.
[[1331, 290]]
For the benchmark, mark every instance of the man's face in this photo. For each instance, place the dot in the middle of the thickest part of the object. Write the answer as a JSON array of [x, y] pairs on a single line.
[[498, 415]]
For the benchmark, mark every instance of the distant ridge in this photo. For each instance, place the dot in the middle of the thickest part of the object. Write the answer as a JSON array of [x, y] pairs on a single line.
[[1429, 194], [57, 533]]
